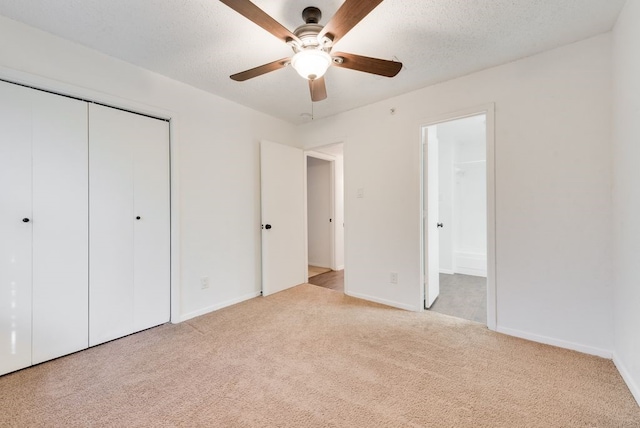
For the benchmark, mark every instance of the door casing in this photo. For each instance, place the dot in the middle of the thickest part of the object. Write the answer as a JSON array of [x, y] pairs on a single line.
[[489, 111]]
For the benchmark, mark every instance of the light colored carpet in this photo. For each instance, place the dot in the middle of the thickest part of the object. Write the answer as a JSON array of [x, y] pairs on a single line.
[[312, 357], [316, 270]]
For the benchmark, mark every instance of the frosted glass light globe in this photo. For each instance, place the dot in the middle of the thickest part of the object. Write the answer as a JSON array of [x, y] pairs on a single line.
[[311, 63]]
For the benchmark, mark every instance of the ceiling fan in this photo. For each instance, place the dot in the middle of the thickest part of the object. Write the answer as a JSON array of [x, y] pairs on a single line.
[[312, 44]]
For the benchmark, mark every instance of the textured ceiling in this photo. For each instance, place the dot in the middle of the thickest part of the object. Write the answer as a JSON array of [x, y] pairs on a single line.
[[202, 42]]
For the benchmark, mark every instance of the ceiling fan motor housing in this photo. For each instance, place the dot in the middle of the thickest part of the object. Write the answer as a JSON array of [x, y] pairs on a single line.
[[308, 34]]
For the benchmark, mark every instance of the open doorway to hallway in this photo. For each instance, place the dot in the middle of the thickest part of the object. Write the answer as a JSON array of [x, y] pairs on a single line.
[[325, 216], [455, 204]]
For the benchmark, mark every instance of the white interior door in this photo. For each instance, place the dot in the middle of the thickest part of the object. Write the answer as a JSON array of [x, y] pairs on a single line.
[[283, 241], [15, 234], [431, 217], [60, 226]]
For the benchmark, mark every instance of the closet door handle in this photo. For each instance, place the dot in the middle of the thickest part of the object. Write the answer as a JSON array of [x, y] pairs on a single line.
[[138, 217], [26, 220]]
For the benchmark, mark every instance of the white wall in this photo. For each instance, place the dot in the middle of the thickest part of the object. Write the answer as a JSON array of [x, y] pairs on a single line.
[[215, 148], [626, 193], [553, 179], [319, 212]]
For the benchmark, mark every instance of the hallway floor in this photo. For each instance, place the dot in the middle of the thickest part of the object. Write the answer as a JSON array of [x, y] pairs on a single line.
[[462, 296], [315, 270], [333, 280]]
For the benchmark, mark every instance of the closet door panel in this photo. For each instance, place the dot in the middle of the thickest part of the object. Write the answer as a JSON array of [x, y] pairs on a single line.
[[15, 235], [60, 226], [111, 224], [152, 230]]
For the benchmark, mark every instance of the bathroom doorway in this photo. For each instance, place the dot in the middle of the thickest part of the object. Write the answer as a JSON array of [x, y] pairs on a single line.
[[455, 217]]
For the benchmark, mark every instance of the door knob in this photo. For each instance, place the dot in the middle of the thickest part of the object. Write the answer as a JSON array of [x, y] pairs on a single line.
[[26, 220], [138, 217], [440, 225], [267, 226]]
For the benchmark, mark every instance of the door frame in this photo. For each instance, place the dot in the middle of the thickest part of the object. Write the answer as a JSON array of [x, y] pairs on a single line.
[[332, 205], [489, 111]]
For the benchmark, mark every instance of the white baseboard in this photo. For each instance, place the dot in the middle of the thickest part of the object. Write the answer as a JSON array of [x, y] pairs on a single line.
[[385, 302], [471, 271], [604, 353], [320, 265], [626, 376], [341, 267], [447, 271], [217, 306]]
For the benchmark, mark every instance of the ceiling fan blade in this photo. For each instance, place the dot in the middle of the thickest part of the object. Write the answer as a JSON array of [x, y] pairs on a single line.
[[381, 67], [260, 17], [318, 89], [260, 70], [350, 13]]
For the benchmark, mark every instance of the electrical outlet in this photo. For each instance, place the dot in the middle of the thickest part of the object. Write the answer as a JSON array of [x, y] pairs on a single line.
[[393, 278], [204, 282]]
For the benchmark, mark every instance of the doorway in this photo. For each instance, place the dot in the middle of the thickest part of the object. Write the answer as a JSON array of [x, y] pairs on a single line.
[[458, 232], [325, 216]]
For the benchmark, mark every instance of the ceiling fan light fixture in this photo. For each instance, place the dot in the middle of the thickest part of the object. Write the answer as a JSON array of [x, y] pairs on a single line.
[[311, 63]]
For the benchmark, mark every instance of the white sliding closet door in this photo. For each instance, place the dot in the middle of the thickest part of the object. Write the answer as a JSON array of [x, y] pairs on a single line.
[[151, 238], [129, 231], [60, 226], [111, 229], [43, 226], [15, 235]]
